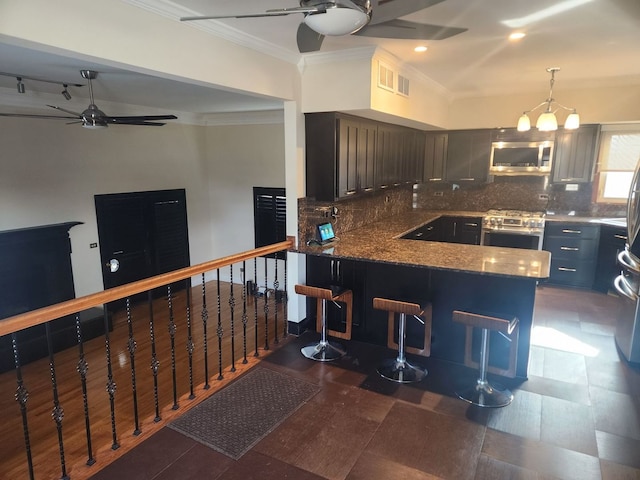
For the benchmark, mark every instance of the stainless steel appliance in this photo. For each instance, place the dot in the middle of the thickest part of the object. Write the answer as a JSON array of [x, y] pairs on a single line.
[[627, 284], [513, 228], [521, 158]]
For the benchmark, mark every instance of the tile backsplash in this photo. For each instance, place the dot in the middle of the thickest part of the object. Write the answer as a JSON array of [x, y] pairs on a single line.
[[518, 192]]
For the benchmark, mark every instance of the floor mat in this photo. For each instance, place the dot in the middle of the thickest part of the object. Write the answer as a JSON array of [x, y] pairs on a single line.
[[241, 414]]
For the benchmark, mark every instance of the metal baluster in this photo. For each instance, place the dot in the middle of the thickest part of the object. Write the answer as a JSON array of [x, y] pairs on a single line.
[[111, 384], [285, 298], [276, 284], [57, 413], [190, 345], [232, 306], [21, 396], [155, 363], [244, 312], [131, 347], [83, 368], [219, 330], [172, 336], [266, 305], [205, 319], [255, 302]]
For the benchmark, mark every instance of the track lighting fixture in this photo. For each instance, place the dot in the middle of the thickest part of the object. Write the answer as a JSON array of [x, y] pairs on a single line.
[[21, 88], [65, 92]]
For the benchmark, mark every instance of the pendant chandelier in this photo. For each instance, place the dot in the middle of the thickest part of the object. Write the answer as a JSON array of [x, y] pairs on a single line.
[[547, 120]]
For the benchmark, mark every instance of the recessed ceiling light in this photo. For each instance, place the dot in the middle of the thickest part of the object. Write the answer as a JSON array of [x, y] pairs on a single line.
[[421, 48], [516, 36]]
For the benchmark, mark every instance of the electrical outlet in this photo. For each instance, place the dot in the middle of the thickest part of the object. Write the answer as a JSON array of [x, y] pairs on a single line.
[[93, 245], [543, 196], [438, 194]]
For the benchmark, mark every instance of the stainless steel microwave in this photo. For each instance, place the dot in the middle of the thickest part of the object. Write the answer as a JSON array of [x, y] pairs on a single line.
[[521, 158]]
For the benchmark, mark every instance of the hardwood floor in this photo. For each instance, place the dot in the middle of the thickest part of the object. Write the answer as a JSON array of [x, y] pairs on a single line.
[[37, 379], [576, 417]]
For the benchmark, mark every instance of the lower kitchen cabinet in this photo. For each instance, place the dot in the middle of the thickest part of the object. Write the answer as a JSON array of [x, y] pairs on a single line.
[[431, 232], [574, 249], [612, 242], [329, 272], [461, 230]]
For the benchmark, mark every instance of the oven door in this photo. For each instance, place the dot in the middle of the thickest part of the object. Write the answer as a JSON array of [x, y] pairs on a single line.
[[508, 239]]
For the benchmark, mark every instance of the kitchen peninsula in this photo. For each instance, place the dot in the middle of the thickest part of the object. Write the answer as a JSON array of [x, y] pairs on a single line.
[[375, 261]]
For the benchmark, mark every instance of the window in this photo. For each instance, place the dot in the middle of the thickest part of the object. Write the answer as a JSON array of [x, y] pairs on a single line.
[[619, 155], [269, 215]]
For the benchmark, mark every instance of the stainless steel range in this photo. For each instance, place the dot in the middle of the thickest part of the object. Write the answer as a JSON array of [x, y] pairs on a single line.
[[513, 228]]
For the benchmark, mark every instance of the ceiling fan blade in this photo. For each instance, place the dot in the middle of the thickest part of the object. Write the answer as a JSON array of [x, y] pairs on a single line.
[[385, 10], [308, 39], [79, 115], [139, 118], [27, 115], [404, 30], [276, 12], [133, 122]]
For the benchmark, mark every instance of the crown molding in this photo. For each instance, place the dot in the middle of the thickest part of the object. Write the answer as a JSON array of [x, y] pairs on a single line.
[[173, 11]]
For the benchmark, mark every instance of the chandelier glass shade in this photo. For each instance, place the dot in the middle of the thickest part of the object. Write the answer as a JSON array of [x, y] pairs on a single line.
[[547, 121]]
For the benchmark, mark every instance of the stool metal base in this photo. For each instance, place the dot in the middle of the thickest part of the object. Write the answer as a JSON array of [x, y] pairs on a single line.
[[324, 351], [485, 395], [401, 371]]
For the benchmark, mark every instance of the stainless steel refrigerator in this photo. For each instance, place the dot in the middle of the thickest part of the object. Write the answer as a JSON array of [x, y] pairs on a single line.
[[627, 284]]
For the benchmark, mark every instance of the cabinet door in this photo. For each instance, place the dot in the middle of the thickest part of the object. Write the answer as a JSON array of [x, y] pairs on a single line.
[[574, 156], [461, 230], [383, 157], [468, 155], [435, 154], [612, 242], [366, 156], [347, 158]]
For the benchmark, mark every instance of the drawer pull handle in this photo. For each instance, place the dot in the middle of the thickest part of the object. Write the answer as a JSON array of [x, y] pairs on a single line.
[[470, 179], [621, 237], [419, 234], [566, 230], [384, 185], [470, 224], [435, 179], [565, 269], [350, 192], [368, 189], [571, 249], [429, 229]]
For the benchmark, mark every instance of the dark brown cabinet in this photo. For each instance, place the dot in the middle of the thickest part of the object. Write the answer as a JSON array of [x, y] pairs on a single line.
[[575, 153], [461, 230], [435, 155], [468, 153], [573, 248], [612, 242]]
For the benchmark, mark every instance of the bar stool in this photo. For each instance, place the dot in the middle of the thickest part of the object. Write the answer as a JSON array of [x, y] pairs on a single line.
[[325, 351], [483, 394], [399, 369]]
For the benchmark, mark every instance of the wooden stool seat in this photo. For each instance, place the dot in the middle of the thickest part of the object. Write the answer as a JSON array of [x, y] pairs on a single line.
[[399, 369], [482, 393], [325, 351]]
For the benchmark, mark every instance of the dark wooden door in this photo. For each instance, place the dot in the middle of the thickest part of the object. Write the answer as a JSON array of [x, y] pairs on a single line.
[[141, 234]]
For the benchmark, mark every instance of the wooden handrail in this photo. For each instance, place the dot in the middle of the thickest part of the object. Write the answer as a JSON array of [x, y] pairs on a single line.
[[52, 312]]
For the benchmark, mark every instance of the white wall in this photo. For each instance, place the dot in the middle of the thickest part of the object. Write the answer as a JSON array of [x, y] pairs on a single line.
[[49, 173]]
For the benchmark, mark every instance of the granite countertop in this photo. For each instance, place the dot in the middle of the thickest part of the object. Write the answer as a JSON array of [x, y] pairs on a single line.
[[380, 242], [571, 218]]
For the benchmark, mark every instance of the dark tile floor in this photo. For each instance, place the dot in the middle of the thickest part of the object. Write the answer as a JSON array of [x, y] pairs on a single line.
[[576, 417]]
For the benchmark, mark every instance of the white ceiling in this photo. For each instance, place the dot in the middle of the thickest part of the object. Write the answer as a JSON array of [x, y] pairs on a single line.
[[592, 41]]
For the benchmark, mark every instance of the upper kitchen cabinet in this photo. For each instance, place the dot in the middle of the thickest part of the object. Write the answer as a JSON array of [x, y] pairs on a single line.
[[575, 153], [341, 153], [468, 153], [388, 156], [435, 155]]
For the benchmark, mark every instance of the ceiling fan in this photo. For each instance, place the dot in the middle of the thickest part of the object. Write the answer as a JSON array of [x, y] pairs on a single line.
[[371, 18], [93, 117]]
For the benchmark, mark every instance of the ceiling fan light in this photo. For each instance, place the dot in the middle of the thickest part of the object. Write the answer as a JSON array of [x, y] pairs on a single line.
[[572, 122], [524, 124], [337, 21], [547, 122]]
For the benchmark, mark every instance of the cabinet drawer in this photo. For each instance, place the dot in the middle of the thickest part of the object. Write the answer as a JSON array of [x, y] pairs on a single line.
[[572, 230], [572, 273], [575, 248]]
